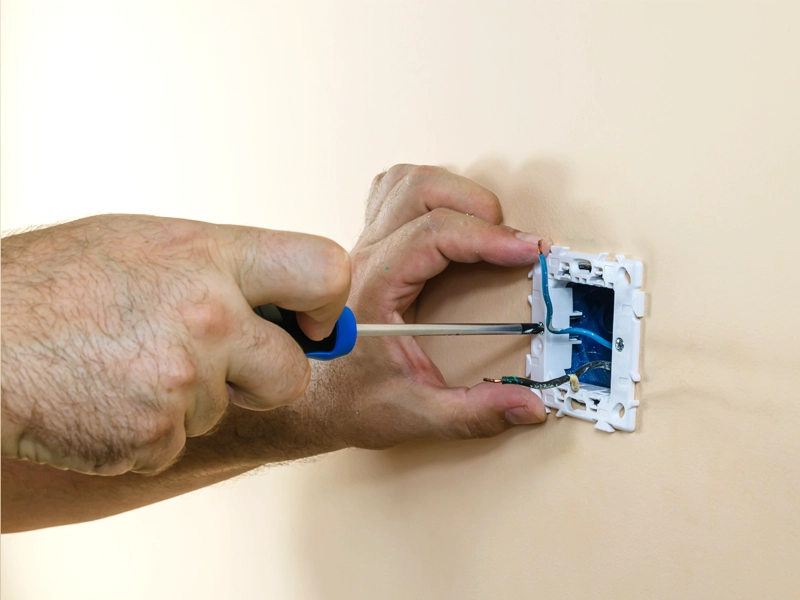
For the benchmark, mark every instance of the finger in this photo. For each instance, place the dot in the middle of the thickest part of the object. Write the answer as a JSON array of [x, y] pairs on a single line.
[[423, 248], [157, 457], [381, 185], [305, 273], [266, 367], [487, 409], [406, 192], [210, 402]]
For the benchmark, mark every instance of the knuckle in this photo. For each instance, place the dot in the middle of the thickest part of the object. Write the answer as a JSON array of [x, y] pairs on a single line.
[[181, 373], [157, 430], [375, 198], [398, 172], [336, 270], [469, 424], [206, 319], [161, 442], [376, 181], [381, 184], [436, 219], [209, 409], [401, 175], [493, 205], [423, 173]]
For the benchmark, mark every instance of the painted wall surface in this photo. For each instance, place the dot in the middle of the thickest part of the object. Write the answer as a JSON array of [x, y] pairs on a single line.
[[666, 131]]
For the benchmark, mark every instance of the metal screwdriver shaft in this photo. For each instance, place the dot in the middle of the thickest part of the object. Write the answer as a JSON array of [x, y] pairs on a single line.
[[368, 330], [343, 338]]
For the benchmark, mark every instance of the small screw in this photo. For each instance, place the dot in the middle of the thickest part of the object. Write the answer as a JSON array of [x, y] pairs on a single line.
[[619, 344]]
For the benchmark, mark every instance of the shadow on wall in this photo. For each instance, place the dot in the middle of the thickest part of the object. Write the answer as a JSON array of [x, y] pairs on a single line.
[[536, 197], [397, 504]]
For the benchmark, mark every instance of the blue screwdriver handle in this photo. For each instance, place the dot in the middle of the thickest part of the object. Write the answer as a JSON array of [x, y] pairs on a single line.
[[340, 342]]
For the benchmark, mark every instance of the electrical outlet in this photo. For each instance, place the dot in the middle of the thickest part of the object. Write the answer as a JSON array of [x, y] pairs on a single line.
[[604, 296]]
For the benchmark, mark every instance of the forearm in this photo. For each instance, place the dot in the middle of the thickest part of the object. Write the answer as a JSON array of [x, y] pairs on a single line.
[[36, 496], [178, 317]]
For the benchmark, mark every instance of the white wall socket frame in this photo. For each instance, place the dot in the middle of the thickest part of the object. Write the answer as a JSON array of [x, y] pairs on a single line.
[[611, 408]]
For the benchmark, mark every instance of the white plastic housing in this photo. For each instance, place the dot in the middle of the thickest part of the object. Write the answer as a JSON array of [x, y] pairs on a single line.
[[551, 354]]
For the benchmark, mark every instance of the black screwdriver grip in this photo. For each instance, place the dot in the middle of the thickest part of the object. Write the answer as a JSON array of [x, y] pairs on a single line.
[[287, 320]]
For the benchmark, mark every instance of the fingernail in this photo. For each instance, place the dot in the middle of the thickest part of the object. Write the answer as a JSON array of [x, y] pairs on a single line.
[[522, 415], [532, 238]]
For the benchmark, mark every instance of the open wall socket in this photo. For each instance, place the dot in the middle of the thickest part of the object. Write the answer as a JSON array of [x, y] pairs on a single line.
[[604, 296]]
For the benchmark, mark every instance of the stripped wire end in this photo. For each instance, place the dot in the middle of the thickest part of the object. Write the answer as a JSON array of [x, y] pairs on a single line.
[[571, 378], [574, 384]]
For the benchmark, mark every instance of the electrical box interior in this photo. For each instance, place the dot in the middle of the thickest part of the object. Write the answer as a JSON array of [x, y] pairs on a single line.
[[599, 303]]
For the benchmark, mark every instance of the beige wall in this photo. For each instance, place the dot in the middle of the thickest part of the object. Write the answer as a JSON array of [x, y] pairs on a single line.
[[668, 132]]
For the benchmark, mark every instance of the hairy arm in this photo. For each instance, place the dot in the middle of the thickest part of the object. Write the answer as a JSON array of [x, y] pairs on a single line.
[[35, 496], [386, 392], [124, 335]]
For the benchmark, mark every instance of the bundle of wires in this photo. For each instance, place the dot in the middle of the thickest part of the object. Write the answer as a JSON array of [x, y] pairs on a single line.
[[541, 385], [549, 306], [551, 383]]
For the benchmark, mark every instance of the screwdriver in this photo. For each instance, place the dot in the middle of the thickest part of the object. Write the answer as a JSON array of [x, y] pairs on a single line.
[[342, 339]]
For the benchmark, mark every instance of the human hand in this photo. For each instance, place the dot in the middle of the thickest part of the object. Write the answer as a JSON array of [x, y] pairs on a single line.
[[120, 333], [387, 390]]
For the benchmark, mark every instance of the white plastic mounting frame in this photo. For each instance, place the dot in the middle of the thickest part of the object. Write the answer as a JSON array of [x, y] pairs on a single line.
[[551, 354]]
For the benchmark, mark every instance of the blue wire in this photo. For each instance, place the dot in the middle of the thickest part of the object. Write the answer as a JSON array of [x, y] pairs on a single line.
[[548, 303]]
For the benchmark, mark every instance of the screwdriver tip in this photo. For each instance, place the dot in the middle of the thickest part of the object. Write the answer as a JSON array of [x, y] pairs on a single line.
[[532, 327]]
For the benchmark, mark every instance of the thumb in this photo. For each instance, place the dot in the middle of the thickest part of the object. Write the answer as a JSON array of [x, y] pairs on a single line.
[[305, 273], [266, 367], [488, 409]]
